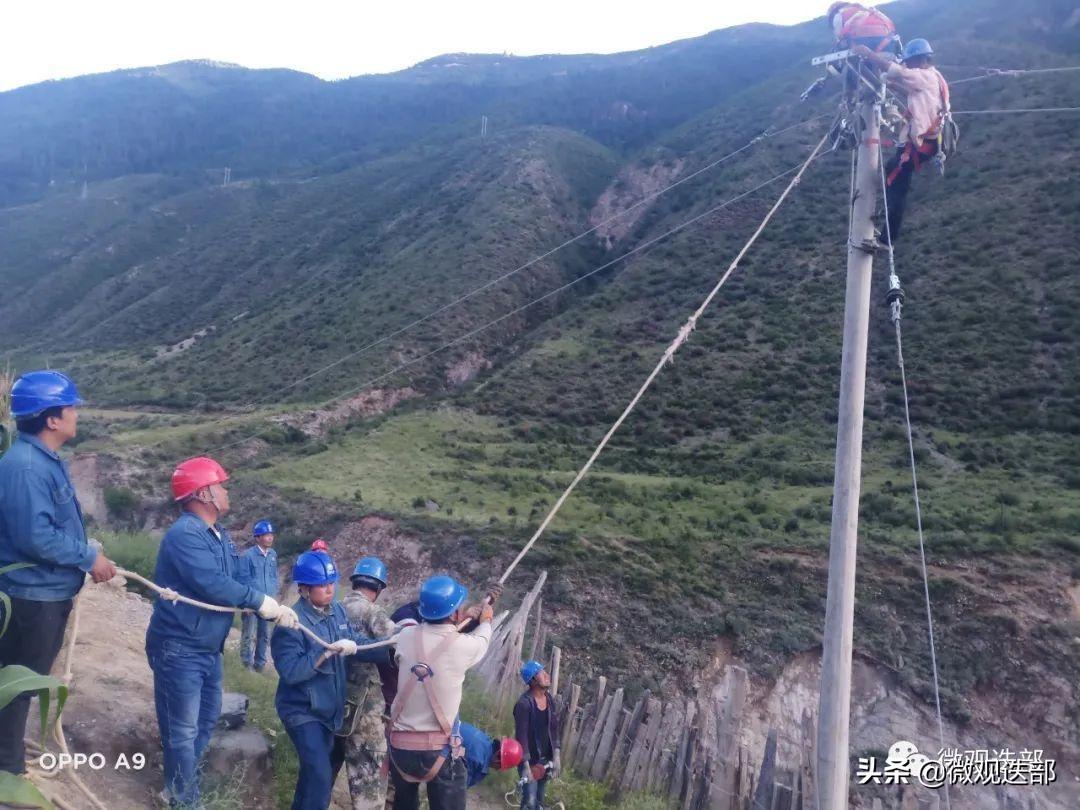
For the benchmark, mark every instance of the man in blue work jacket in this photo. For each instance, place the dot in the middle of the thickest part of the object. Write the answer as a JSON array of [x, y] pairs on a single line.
[[184, 643], [41, 528], [261, 562], [312, 680]]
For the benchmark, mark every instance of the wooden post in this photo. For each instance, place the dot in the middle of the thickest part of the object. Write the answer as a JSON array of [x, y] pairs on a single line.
[[570, 721], [556, 661], [539, 632], [678, 778], [834, 712], [634, 777], [593, 743], [691, 769], [728, 723], [627, 732], [606, 738], [663, 752]]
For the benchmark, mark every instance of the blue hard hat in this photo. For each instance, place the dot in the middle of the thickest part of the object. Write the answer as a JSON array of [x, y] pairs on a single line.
[[262, 527], [440, 596], [314, 568], [917, 47], [530, 670], [37, 391], [371, 568]]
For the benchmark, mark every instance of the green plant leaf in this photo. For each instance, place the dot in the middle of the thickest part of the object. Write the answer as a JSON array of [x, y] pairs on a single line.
[[5, 600], [16, 679], [15, 791]]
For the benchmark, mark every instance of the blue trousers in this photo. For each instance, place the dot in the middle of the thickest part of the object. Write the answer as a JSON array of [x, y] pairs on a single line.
[[321, 754], [532, 793], [187, 696], [254, 638]]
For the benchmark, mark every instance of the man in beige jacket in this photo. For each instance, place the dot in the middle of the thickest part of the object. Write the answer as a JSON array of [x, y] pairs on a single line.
[[433, 657]]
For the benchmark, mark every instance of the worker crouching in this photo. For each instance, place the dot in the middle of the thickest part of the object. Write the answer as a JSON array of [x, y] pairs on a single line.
[[312, 679]]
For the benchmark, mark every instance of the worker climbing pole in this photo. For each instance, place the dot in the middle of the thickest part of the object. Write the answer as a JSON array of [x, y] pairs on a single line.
[[862, 112]]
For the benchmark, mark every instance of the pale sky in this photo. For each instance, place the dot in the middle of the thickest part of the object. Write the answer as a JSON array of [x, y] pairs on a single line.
[[333, 39]]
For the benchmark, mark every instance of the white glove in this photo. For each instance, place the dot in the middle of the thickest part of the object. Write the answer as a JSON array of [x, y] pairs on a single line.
[[287, 618], [526, 777], [343, 647], [269, 608], [169, 595]]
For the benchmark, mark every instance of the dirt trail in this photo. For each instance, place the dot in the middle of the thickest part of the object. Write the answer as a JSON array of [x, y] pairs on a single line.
[[110, 709]]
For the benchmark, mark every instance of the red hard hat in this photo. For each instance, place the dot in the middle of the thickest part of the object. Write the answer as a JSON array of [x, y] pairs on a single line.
[[320, 545], [194, 474], [510, 753], [539, 772]]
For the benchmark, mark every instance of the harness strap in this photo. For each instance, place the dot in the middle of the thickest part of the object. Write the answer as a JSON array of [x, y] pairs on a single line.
[[450, 738], [431, 773], [429, 673]]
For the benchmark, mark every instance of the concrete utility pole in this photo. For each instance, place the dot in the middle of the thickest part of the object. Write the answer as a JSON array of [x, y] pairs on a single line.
[[834, 708]]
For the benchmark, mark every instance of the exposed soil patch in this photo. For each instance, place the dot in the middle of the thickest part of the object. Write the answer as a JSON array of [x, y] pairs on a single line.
[[631, 186], [367, 403]]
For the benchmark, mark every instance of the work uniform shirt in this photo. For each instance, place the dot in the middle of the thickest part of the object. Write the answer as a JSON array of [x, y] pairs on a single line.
[[925, 101], [449, 669], [478, 750], [41, 523], [262, 567], [200, 562], [307, 693]]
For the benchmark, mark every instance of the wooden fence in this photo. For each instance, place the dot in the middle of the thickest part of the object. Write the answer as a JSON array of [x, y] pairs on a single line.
[[694, 752]]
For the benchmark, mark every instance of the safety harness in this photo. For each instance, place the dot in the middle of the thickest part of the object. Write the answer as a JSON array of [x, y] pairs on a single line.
[[447, 741], [943, 131]]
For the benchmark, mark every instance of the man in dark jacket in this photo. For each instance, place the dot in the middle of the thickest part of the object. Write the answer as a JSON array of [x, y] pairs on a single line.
[[537, 729], [41, 529], [184, 643]]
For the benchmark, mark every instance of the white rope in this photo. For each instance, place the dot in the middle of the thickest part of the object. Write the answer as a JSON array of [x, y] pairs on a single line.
[[1026, 110], [669, 353], [992, 73], [914, 479], [170, 595], [922, 548], [472, 333]]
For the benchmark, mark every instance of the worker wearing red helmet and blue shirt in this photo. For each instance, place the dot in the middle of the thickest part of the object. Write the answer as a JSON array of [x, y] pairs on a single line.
[[184, 643], [262, 570], [41, 527], [537, 729], [312, 679], [483, 753]]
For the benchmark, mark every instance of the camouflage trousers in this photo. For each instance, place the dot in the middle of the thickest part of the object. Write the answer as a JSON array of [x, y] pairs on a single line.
[[366, 762]]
